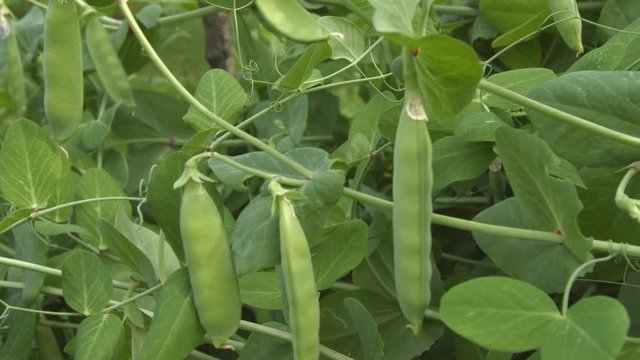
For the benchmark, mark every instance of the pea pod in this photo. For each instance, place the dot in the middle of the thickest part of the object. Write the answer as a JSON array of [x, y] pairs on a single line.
[[216, 294], [63, 87], [302, 295], [567, 16], [292, 20], [14, 72], [412, 186], [107, 64]]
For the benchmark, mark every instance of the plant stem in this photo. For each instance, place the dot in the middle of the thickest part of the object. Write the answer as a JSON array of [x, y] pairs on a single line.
[[574, 276], [48, 270], [283, 335], [443, 220], [463, 260], [188, 15], [132, 298], [559, 114], [151, 53]]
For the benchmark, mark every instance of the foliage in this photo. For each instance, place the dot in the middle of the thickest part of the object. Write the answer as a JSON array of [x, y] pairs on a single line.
[[533, 236]]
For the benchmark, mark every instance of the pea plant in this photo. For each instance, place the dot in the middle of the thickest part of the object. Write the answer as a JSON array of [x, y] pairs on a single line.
[[359, 179]]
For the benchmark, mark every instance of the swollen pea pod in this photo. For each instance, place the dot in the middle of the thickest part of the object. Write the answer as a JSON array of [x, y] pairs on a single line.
[[297, 270], [105, 60], [567, 16], [63, 86], [14, 72], [216, 294], [412, 206]]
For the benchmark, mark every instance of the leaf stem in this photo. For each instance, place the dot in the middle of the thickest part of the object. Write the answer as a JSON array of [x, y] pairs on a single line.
[[283, 335], [574, 276], [132, 298], [151, 53], [449, 221], [559, 114]]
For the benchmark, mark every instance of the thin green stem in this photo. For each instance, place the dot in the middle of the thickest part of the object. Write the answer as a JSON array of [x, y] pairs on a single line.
[[151, 53], [443, 220], [283, 335], [188, 15], [345, 286], [559, 114], [132, 298], [574, 276], [47, 270], [36, 311], [463, 260]]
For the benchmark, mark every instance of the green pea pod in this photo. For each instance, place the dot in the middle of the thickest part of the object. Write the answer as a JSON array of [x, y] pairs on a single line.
[[107, 64], [567, 16], [412, 186], [216, 294], [292, 20], [302, 295], [15, 72], [63, 86]]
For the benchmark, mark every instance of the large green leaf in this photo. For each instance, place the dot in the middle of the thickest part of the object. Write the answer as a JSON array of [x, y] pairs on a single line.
[[99, 337], [545, 265], [341, 250], [221, 94], [302, 69], [599, 199], [346, 41], [394, 17], [286, 125], [261, 290], [260, 346], [594, 96], [97, 183], [175, 330], [17, 343], [365, 324], [164, 200], [616, 14], [448, 71], [30, 164], [521, 81], [548, 196], [30, 248], [621, 52], [86, 282], [499, 313], [594, 329], [292, 20], [457, 160], [338, 332]]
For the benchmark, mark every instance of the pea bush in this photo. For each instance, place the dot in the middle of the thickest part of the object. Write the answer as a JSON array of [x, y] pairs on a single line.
[[363, 179]]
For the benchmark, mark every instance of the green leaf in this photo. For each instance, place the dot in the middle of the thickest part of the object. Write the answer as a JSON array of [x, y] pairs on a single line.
[[93, 184], [126, 251], [175, 330], [254, 239], [30, 248], [17, 215], [521, 81], [303, 67], [550, 202], [221, 93], [506, 15], [346, 41], [17, 343], [287, 125], [448, 73], [616, 14], [260, 346], [261, 290], [499, 313], [522, 31], [86, 282], [365, 324], [457, 160], [340, 251], [629, 351], [394, 17], [478, 126], [590, 95], [545, 265], [30, 164], [314, 159], [164, 200], [99, 337], [338, 332], [620, 52], [598, 200], [594, 329], [292, 20]]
